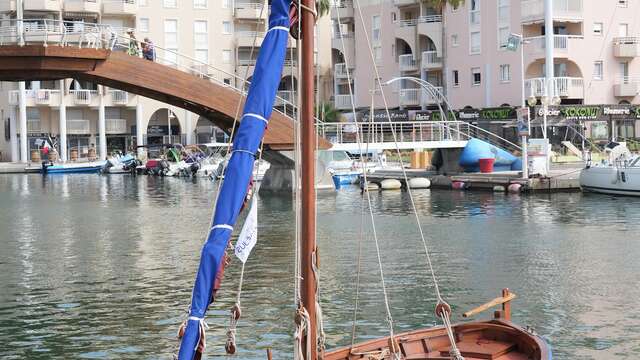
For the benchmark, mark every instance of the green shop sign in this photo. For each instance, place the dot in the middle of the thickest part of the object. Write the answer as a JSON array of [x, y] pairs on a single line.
[[581, 112]]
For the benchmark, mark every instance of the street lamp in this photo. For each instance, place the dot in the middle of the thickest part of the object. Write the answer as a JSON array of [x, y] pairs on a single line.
[[515, 41]]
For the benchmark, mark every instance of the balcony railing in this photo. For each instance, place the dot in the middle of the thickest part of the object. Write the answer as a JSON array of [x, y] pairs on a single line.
[[44, 96], [407, 23], [430, 19], [345, 34], [340, 71], [78, 126], [342, 102], [533, 10], [83, 97], [116, 126], [572, 87], [560, 42], [627, 86], [408, 62], [119, 97], [430, 59], [289, 96], [626, 46]]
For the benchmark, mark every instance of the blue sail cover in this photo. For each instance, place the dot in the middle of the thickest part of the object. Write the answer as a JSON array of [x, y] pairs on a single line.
[[257, 111]]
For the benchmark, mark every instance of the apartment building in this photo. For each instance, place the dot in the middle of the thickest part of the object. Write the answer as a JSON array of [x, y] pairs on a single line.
[[225, 34], [464, 51]]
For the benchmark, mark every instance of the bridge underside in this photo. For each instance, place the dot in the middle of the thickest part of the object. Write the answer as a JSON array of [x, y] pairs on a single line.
[[118, 70]]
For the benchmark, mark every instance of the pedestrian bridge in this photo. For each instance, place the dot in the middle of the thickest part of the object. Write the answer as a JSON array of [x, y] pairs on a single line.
[[47, 49]]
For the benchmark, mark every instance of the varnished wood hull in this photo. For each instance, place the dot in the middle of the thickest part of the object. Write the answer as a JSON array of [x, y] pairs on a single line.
[[496, 339]]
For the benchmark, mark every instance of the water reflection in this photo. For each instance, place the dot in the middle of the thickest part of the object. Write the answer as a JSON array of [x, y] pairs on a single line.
[[102, 267]]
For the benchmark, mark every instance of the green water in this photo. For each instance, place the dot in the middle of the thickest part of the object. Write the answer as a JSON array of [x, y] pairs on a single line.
[[102, 267]]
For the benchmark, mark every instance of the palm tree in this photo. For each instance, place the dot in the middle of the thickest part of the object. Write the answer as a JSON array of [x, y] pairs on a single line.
[[323, 7], [327, 113]]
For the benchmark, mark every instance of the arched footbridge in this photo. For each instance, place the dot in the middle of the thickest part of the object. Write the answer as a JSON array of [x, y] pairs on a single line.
[[49, 50]]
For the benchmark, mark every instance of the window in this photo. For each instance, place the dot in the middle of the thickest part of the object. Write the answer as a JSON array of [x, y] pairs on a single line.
[[375, 28], [454, 40], [171, 41], [143, 24], [503, 36], [503, 11], [597, 28], [201, 41], [199, 4], [623, 3], [505, 73], [476, 77], [597, 70], [170, 3], [474, 12], [226, 56], [623, 30], [226, 27], [456, 78], [474, 42], [377, 51], [393, 51]]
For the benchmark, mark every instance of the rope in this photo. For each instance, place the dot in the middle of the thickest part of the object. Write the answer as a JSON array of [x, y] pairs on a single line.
[[404, 173]]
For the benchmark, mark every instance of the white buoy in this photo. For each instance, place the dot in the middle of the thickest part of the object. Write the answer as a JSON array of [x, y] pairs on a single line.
[[419, 183], [498, 188], [390, 184], [372, 186], [514, 188]]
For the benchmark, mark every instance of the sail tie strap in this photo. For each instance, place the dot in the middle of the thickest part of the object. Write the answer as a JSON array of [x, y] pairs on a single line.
[[221, 226], [256, 116], [244, 151]]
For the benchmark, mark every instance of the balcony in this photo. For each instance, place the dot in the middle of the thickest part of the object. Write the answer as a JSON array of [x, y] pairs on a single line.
[[119, 7], [119, 97], [42, 5], [78, 127], [400, 3], [116, 126], [14, 97], [290, 68], [408, 62], [563, 46], [246, 38], [431, 26], [340, 71], [47, 97], [342, 10], [417, 97], [250, 11], [83, 97], [7, 5], [431, 60], [626, 47], [627, 86], [349, 45], [563, 10], [406, 30], [567, 87], [342, 102], [34, 126], [82, 6]]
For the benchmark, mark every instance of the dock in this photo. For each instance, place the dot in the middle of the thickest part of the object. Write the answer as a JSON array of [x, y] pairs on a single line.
[[18, 168], [560, 179]]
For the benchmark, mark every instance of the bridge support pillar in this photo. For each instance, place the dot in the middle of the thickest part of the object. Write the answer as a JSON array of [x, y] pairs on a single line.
[[13, 134], [139, 133], [102, 129], [24, 139], [63, 126], [280, 177], [188, 128]]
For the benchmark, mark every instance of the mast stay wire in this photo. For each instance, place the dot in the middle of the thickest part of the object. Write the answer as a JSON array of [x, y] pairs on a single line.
[[445, 308]]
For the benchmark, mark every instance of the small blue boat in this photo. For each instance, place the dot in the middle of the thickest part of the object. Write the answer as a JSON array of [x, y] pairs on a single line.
[[88, 167], [345, 178]]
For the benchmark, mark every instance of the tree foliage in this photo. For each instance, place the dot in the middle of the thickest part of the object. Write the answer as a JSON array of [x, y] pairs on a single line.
[[439, 4], [327, 113]]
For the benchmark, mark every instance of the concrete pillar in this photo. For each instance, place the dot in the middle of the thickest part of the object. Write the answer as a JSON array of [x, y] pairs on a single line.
[[102, 129], [189, 128], [63, 125], [22, 104], [548, 39], [13, 134], [139, 130]]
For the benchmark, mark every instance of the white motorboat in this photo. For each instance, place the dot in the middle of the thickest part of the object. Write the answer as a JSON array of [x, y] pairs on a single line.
[[619, 174]]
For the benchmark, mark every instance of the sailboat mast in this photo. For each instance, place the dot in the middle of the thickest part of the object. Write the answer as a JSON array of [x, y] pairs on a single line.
[[308, 235]]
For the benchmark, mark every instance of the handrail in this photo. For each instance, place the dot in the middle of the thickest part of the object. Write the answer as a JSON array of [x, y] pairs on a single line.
[[430, 19], [626, 40], [101, 36]]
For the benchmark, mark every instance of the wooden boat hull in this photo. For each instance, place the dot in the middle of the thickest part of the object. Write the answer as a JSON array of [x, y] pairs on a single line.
[[495, 339]]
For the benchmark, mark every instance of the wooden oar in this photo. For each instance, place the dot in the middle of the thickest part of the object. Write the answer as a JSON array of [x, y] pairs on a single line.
[[504, 300]]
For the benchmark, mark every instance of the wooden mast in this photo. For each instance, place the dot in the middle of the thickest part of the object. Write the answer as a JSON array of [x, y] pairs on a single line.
[[308, 135]]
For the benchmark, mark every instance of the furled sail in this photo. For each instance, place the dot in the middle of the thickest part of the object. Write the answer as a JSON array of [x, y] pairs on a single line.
[[257, 111]]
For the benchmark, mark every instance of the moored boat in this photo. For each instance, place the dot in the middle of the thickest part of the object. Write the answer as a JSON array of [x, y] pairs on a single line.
[[618, 174], [82, 167]]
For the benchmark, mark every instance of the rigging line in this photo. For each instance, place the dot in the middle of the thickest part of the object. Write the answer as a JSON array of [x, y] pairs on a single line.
[[404, 173], [366, 190]]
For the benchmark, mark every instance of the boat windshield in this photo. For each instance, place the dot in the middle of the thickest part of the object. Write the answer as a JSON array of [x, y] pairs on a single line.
[[636, 162]]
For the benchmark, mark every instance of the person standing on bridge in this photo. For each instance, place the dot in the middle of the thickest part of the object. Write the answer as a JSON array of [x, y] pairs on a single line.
[[133, 49], [148, 51]]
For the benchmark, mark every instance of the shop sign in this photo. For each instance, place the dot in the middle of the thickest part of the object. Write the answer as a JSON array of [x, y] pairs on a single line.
[[432, 116], [523, 121], [469, 114], [500, 113], [381, 116]]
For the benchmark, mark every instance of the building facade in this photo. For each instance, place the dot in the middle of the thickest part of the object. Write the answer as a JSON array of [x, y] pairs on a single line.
[[464, 52], [224, 34]]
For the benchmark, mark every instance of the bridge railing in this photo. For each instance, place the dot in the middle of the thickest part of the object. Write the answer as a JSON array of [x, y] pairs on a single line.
[[49, 32]]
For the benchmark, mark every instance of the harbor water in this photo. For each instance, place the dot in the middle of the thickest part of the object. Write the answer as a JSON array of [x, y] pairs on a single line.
[[101, 267]]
